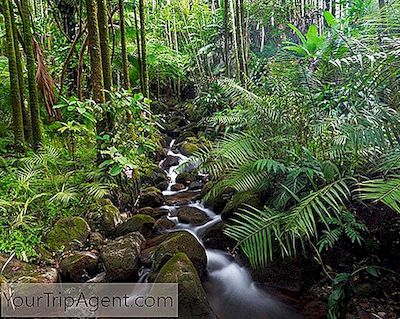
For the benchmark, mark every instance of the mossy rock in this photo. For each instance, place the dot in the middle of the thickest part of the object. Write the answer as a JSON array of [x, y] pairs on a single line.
[[137, 223], [185, 178], [180, 241], [121, 256], [188, 148], [105, 218], [65, 231], [193, 302], [79, 266], [151, 197]]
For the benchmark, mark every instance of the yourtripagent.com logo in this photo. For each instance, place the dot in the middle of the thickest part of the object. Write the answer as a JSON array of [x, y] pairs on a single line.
[[89, 300]]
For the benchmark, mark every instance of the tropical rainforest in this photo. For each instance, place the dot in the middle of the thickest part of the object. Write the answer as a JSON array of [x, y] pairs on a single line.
[[247, 150]]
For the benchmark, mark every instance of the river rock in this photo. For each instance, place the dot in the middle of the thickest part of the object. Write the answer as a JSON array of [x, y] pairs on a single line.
[[182, 198], [137, 223], [151, 197], [155, 176], [21, 272], [191, 215], [187, 148], [66, 231], [170, 161], [178, 187], [96, 239], [163, 186], [215, 238], [193, 302], [121, 256], [104, 218], [147, 211], [79, 266], [185, 178], [164, 224], [195, 185], [180, 241]]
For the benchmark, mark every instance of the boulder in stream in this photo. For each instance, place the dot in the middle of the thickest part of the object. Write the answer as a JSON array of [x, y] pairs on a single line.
[[191, 215], [137, 223], [151, 197], [175, 242], [178, 187], [196, 185], [170, 161], [121, 256], [66, 231], [79, 266], [185, 178], [104, 218], [187, 148], [193, 302]]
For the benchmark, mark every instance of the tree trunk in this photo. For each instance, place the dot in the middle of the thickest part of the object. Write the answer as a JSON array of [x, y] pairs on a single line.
[[31, 67], [226, 36], [102, 16], [96, 69], [234, 39], [142, 18], [240, 38], [125, 62], [26, 112], [139, 50], [95, 52], [14, 81]]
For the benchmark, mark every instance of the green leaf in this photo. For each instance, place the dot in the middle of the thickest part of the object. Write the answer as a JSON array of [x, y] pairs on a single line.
[[372, 271], [330, 19], [116, 170]]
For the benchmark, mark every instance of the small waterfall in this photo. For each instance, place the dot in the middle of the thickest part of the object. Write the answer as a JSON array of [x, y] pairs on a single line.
[[230, 288]]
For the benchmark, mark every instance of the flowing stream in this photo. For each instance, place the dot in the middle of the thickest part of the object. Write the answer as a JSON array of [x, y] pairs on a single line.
[[231, 290]]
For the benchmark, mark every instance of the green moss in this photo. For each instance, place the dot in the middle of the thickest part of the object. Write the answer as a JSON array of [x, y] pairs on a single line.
[[140, 222], [110, 217], [188, 148], [177, 242], [67, 230], [193, 301]]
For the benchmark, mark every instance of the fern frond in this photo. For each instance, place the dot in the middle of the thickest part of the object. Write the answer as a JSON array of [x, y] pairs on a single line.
[[380, 190], [256, 232]]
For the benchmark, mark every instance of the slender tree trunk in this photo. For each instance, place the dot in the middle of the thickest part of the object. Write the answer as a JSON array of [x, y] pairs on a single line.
[[26, 112], [31, 67], [226, 36], [14, 81], [240, 38], [139, 50], [95, 52], [144, 52], [102, 16], [125, 62], [234, 39]]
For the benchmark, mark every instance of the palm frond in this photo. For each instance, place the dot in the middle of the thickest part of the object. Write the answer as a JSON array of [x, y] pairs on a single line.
[[381, 190], [258, 232]]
